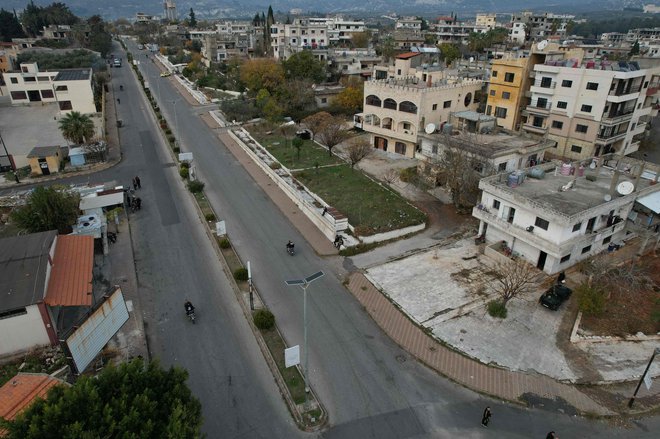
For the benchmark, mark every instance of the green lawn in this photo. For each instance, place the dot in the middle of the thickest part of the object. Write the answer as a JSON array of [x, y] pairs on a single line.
[[370, 207], [282, 149]]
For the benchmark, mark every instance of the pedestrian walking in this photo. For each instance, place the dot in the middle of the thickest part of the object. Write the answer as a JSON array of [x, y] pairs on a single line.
[[138, 203], [135, 185], [118, 101], [137, 181], [485, 419], [561, 278]]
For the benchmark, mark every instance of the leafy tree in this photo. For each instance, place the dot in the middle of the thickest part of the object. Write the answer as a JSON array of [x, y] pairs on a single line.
[[298, 144], [296, 97], [78, 58], [515, 277], [47, 208], [358, 150], [132, 400], [262, 73], [386, 48], [349, 100], [304, 65], [76, 127], [263, 96], [34, 17], [360, 39], [450, 52], [10, 27], [272, 110], [332, 132], [634, 50], [100, 39], [192, 21]]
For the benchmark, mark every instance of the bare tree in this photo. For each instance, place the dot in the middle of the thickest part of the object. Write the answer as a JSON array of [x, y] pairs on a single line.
[[332, 132], [358, 150], [315, 122], [390, 176], [515, 277], [97, 150]]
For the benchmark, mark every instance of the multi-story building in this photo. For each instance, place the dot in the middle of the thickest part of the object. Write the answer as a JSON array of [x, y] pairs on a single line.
[[562, 213], [57, 32], [529, 26], [340, 30], [614, 38], [589, 108], [489, 21], [448, 30], [354, 62], [141, 17], [408, 23], [169, 10], [287, 39], [71, 89], [509, 79], [396, 109]]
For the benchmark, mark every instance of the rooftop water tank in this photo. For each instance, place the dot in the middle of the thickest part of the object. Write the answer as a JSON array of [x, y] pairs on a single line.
[[537, 173], [565, 169]]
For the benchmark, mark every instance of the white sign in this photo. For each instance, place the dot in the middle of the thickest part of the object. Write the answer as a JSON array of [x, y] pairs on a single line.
[[185, 156], [648, 381], [292, 356], [220, 228]]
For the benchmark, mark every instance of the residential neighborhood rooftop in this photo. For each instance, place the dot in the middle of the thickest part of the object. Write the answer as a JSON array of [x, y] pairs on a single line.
[[20, 391], [42, 152], [73, 75], [70, 281]]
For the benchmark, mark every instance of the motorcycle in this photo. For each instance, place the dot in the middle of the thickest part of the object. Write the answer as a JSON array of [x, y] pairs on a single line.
[[191, 315], [290, 249]]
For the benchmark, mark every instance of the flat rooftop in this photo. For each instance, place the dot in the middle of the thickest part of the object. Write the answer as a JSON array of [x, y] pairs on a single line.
[[585, 194], [491, 145]]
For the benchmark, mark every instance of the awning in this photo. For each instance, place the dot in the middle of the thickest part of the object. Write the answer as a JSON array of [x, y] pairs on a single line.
[[70, 282], [651, 201]]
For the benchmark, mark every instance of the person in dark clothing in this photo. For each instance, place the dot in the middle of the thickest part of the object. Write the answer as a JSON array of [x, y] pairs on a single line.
[[135, 185], [561, 278], [485, 419], [137, 181], [552, 435]]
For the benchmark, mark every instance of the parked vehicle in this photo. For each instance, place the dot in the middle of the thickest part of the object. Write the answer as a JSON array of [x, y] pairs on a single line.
[[165, 74], [555, 296], [117, 62]]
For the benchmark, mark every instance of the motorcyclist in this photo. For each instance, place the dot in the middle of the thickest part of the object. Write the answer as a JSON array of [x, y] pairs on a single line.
[[189, 307], [289, 245]]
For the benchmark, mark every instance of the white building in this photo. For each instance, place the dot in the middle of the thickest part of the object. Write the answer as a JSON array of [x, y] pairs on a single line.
[[354, 62], [589, 109], [567, 213], [288, 39], [408, 23], [340, 30], [448, 30], [532, 26], [71, 89]]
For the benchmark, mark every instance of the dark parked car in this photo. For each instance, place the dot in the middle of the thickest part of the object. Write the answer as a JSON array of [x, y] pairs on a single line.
[[555, 296]]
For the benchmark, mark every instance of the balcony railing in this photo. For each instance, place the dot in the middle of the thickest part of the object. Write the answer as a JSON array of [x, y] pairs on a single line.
[[618, 117], [535, 129], [544, 84]]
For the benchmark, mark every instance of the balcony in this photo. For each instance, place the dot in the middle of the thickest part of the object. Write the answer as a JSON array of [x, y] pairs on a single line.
[[617, 118], [534, 129], [543, 87], [539, 108], [606, 139]]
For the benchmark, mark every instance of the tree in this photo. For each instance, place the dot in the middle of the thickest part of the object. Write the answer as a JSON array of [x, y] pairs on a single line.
[[192, 21], [304, 65], [358, 150], [450, 52], [390, 176], [315, 122], [296, 97], [10, 27], [514, 278], [97, 150], [273, 110], [634, 50], [460, 172], [360, 39], [332, 132], [131, 400], [76, 127], [298, 144], [48, 208], [262, 73], [349, 100]]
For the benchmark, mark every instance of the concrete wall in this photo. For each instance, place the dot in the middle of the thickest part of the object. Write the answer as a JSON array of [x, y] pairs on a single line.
[[23, 332]]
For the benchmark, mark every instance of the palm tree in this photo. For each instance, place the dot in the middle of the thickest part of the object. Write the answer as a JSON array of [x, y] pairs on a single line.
[[76, 127]]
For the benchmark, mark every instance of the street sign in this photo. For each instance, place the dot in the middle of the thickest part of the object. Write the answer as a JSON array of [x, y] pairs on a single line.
[[186, 157], [292, 356], [648, 381], [220, 228]]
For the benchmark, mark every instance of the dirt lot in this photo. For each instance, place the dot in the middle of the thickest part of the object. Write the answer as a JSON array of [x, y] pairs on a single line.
[[627, 311]]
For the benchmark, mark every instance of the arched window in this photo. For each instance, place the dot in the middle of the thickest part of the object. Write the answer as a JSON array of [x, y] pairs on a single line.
[[389, 103], [408, 107], [468, 99], [373, 100]]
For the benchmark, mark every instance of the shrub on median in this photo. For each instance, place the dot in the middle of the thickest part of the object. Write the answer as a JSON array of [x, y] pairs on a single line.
[[264, 319], [195, 186]]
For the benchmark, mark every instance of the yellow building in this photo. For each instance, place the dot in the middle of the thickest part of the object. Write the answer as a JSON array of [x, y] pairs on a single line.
[[44, 160], [506, 93]]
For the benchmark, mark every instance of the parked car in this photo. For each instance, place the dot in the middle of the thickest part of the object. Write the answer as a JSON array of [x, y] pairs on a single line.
[[165, 74], [555, 296]]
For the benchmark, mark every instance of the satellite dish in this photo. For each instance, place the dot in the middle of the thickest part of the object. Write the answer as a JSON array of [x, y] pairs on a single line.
[[607, 197], [430, 128], [592, 165], [625, 188], [542, 44]]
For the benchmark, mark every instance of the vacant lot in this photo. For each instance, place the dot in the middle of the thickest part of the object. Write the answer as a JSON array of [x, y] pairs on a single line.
[[281, 147], [370, 207]]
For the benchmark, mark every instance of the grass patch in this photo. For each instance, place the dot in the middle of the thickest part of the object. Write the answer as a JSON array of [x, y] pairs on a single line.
[[497, 309], [370, 207], [283, 150], [292, 377], [43, 361], [204, 204]]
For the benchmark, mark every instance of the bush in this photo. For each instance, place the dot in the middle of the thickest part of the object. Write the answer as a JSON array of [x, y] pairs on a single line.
[[185, 165], [264, 319], [168, 131], [275, 165], [591, 300], [241, 274], [176, 149], [224, 243], [171, 139], [408, 174], [496, 308], [184, 173], [195, 186], [210, 217]]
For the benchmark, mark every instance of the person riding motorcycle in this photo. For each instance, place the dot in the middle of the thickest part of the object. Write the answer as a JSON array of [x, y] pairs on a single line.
[[290, 245], [189, 307]]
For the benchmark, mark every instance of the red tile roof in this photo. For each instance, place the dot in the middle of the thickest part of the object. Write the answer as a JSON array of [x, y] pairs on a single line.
[[21, 390], [70, 281], [407, 55]]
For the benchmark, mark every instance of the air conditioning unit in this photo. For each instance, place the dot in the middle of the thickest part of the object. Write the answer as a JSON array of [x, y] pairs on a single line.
[[530, 229]]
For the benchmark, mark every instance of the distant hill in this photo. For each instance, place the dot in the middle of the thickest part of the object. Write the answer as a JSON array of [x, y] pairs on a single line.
[[247, 8]]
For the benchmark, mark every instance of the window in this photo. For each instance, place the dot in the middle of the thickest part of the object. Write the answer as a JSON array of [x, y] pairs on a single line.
[[65, 105], [324, 100], [373, 100], [61, 88], [408, 107], [501, 167], [14, 80], [562, 104], [577, 227], [406, 125], [12, 313], [389, 103], [586, 249], [592, 86], [500, 112], [46, 94], [435, 107], [581, 128], [575, 148], [446, 104], [586, 108], [43, 78], [508, 77], [30, 79], [565, 258], [18, 95], [492, 92], [540, 222], [468, 99], [646, 84], [568, 84], [506, 95], [398, 72], [557, 124], [607, 240], [496, 204], [489, 109], [546, 82], [494, 74], [542, 103]]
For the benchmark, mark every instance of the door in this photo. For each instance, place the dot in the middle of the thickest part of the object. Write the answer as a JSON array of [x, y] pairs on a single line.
[[43, 165], [400, 148], [380, 143], [541, 263], [512, 214]]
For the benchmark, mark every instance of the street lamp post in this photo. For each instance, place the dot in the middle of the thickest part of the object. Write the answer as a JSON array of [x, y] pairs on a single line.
[[656, 351], [304, 283]]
